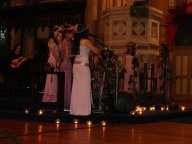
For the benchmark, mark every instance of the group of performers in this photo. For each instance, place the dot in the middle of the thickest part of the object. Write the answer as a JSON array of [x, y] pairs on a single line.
[[77, 99], [77, 92]]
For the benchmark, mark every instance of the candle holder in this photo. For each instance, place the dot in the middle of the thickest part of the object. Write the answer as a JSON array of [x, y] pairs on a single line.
[[76, 125], [40, 112], [103, 123], [26, 111], [89, 123], [140, 112], [75, 121], [152, 108], [167, 108], [162, 108], [182, 108], [57, 121], [132, 112]]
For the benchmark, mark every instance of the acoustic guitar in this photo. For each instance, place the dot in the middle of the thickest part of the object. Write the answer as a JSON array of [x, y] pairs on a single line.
[[15, 63]]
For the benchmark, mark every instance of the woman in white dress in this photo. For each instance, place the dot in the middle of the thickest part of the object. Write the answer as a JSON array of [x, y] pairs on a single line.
[[81, 88]]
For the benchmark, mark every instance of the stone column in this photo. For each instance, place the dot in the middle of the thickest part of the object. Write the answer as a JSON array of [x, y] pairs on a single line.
[[129, 2], [91, 15], [107, 4], [101, 7], [123, 2], [116, 3], [111, 3]]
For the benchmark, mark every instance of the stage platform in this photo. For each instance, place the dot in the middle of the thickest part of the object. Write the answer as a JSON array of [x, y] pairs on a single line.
[[65, 117]]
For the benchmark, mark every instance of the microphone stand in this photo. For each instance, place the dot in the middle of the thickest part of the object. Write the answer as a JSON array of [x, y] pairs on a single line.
[[110, 56]]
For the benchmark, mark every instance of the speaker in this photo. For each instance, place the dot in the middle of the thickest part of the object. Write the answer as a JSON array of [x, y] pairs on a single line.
[[125, 102]]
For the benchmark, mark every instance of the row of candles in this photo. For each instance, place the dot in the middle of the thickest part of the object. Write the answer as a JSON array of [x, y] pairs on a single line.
[[89, 123], [139, 110]]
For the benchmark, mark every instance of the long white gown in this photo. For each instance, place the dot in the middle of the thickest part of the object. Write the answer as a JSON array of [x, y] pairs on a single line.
[[81, 88]]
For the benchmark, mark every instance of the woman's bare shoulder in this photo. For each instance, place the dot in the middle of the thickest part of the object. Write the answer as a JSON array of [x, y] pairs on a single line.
[[85, 42]]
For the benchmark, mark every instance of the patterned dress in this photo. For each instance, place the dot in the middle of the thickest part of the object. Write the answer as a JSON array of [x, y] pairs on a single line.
[[50, 91]]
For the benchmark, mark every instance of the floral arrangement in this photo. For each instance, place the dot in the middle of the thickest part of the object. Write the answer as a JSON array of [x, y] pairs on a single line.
[[103, 79], [166, 74]]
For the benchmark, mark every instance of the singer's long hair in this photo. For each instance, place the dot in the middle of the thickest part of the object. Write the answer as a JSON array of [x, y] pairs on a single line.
[[78, 37]]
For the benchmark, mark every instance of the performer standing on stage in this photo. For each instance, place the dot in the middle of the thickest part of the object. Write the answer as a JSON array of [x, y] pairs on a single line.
[[50, 92], [66, 65], [127, 64], [81, 88]]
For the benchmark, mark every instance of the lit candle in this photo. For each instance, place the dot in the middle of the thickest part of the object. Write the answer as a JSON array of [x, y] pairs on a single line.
[[57, 121], [140, 112], [132, 112], [75, 121], [103, 123], [162, 108], [57, 125], [152, 108], [26, 111], [182, 108], [40, 112], [76, 125], [144, 108], [89, 123]]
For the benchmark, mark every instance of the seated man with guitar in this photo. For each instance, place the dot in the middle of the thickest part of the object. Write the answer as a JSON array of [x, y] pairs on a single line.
[[16, 58], [18, 67], [15, 63]]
